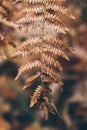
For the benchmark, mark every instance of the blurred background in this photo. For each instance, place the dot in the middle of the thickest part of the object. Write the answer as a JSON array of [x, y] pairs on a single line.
[[15, 113]]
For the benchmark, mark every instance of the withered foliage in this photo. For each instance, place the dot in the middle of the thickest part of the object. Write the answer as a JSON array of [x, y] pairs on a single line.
[[6, 31], [41, 23]]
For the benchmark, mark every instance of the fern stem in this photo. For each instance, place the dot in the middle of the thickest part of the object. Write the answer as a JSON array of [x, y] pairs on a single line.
[[43, 30]]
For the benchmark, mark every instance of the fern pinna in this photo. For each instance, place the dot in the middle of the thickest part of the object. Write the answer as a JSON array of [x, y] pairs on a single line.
[[43, 27]]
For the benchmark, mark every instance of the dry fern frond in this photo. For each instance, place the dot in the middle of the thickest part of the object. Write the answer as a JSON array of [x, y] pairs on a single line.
[[46, 111], [7, 26], [36, 95], [49, 71], [47, 106], [28, 66], [50, 60], [31, 80], [7, 23], [40, 21]]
